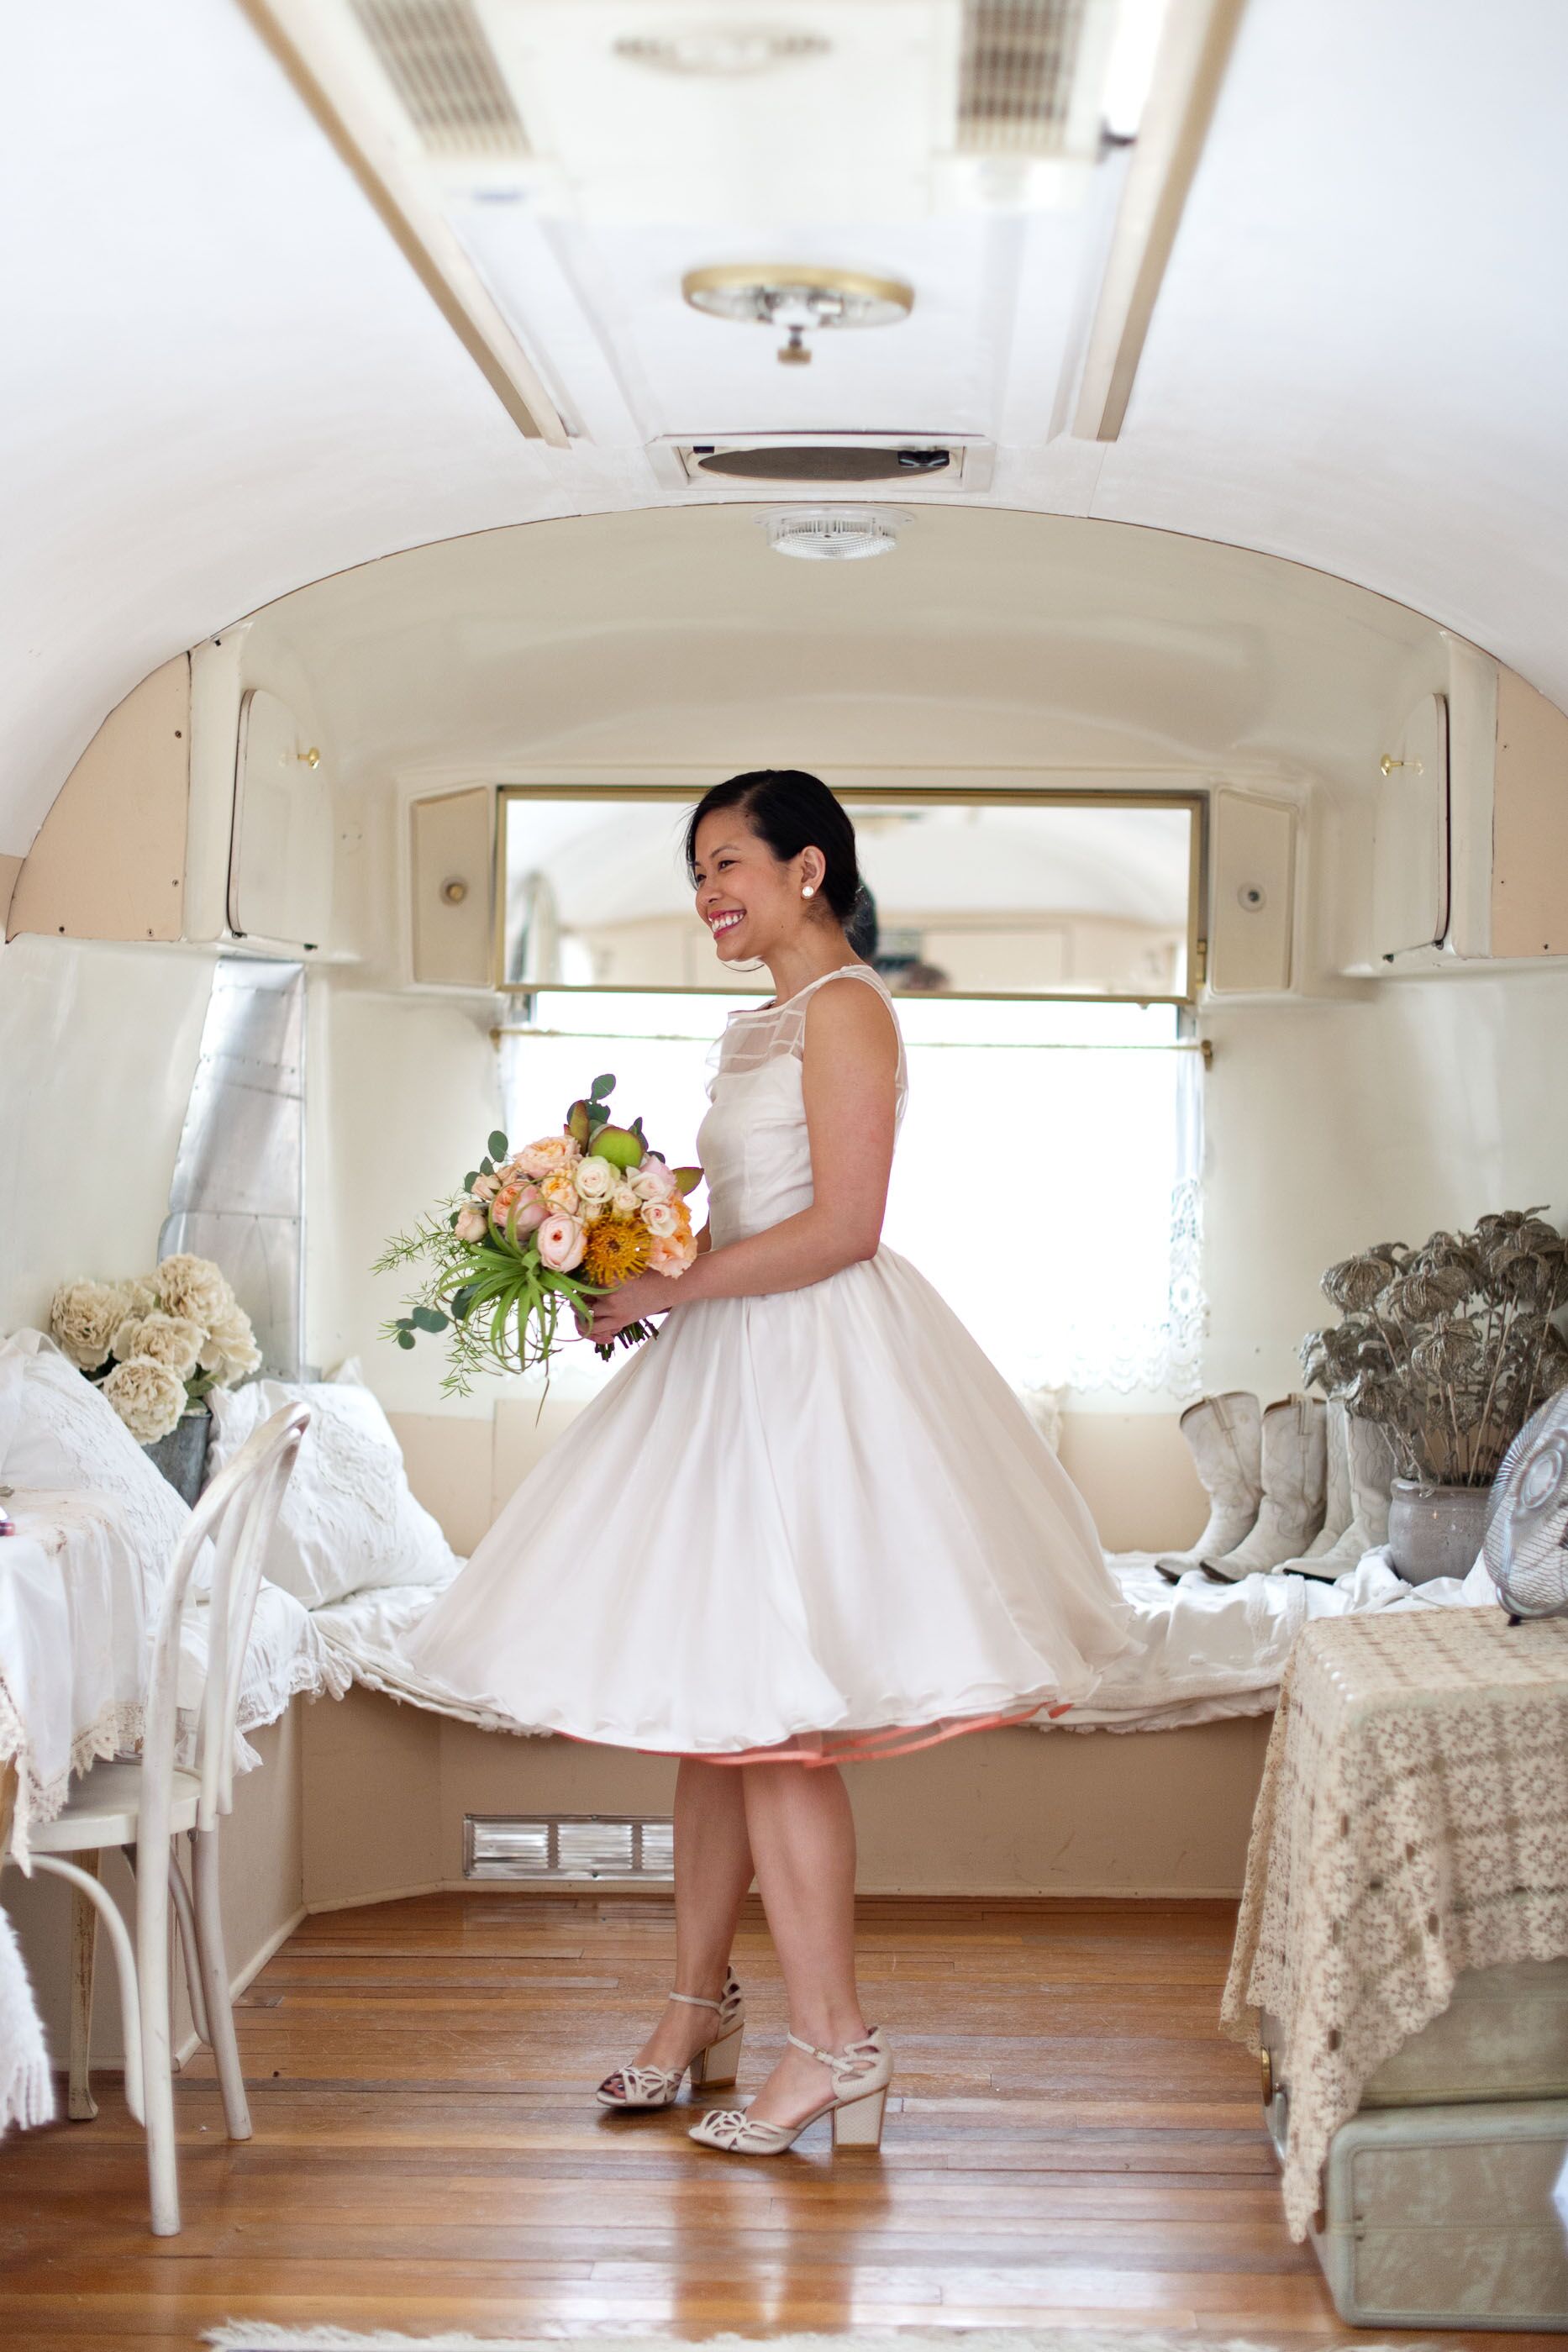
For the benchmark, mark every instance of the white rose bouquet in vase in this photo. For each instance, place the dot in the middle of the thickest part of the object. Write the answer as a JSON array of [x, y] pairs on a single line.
[[157, 1344], [539, 1232]]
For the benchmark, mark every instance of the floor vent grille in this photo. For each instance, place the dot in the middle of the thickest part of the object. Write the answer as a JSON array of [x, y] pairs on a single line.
[[436, 56], [578, 1847]]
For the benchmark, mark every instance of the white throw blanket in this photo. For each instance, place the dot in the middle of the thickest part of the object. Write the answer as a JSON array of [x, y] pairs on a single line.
[[27, 2092]]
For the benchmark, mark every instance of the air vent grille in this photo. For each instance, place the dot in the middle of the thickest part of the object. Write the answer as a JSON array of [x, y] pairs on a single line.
[[436, 56], [568, 1847], [800, 462], [1019, 63]]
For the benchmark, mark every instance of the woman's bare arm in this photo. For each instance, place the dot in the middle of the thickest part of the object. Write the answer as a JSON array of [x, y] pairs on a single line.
[[848, 1081]]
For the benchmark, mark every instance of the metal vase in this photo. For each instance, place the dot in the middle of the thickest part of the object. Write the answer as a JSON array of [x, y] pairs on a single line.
[[182, 1456], [1435, 1530]]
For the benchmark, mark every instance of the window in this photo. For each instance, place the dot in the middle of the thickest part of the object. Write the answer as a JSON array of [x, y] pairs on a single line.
[[1046, 1180], [1008, 893]]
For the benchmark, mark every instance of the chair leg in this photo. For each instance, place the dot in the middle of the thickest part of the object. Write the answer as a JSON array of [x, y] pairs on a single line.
[[80, 2105], [153, 1967], [216, 1983], [125, 1965], [190, 1948]]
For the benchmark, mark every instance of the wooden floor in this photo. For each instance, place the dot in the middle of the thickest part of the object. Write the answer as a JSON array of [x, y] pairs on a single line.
[[1069, 2140]]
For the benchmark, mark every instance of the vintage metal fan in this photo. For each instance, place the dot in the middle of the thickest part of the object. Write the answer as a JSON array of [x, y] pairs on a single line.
[[1526, 1541]]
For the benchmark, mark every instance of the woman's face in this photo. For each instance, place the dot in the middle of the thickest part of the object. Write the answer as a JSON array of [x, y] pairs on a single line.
[[750, 900]]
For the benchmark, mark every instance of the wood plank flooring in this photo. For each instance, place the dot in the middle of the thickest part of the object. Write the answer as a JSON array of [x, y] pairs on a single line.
[[1069, 2141]]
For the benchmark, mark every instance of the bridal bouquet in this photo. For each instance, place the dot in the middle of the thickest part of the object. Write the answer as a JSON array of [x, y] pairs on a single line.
[[156, 1343], [542, 1231]]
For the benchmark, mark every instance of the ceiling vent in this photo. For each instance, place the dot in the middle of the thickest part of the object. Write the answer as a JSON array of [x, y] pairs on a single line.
[[436, 56], [828, 461], [1021, 89], [833, 534]]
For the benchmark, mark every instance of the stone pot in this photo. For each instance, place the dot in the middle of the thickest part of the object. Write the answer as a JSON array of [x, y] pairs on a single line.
[[182, 1456], [1435, 1530]]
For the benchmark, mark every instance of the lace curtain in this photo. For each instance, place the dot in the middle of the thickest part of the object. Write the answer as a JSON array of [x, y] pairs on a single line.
[[1053, 1196]]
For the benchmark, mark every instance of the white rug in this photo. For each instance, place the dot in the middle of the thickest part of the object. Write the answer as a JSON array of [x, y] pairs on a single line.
[[236, 2336]]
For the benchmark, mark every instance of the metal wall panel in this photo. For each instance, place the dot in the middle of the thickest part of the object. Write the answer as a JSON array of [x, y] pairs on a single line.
[[238, 1192]]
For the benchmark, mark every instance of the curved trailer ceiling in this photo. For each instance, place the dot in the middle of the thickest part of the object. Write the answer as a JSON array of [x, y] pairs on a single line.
[[223, 379]]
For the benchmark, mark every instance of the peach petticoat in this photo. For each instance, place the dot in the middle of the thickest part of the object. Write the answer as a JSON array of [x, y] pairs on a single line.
[[810, 1747]]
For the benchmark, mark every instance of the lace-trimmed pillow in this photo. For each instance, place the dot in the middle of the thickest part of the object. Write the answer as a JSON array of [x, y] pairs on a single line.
[[348, 1522], [58, 1430]]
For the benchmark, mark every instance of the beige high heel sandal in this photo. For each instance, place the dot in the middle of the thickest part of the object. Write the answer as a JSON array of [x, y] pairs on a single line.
[[715, 2065], [863, 2069]]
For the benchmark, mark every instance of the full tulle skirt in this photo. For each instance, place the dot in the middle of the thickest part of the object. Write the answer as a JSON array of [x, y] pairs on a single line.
[[808, 1528]]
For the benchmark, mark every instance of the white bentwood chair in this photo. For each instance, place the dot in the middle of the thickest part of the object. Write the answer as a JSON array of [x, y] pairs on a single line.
[[142, 1806]]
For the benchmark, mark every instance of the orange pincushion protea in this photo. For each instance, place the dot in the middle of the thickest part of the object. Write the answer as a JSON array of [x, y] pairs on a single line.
[[613, 1252]]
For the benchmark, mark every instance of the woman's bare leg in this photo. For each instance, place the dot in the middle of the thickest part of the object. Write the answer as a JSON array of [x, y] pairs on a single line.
[[713, 1869], [803, 1838]]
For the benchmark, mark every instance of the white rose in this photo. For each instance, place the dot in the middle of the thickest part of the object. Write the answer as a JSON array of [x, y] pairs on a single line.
[[661, 1217], [229, 1351], [148, 1397], [172, 1339], [625, 1202], [84, 1318], [595, 1179], [140, 1292], [653, 1181], [196, 1287]]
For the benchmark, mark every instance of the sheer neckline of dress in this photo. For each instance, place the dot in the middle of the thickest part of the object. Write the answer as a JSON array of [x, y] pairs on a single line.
[[749, 1012]]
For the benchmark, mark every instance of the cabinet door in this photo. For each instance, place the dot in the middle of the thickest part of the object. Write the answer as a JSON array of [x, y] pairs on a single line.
[[280, 874], [1410, 838]]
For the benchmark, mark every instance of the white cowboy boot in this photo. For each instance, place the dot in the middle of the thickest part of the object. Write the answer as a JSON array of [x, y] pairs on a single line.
[[1294, 1473], [1369, 1473], [1223, 1434]]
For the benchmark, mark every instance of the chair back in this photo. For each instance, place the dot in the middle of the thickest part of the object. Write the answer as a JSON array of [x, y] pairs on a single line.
[[236, 1513]]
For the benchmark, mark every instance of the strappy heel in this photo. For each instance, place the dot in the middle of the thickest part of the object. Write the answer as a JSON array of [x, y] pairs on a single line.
[[714, 2066], [861, 2072]]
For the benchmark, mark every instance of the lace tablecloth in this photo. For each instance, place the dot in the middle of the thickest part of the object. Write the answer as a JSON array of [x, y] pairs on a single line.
[[1413, 1822], [78, 1609]]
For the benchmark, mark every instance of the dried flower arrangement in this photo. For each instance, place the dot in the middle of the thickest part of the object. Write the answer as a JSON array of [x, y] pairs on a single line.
[[156, 1343], [1451, 1346]]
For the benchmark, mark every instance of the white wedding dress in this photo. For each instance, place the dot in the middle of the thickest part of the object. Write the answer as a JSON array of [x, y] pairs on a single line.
[[810, 1526]]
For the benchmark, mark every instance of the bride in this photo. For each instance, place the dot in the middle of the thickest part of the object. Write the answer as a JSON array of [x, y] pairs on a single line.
[[808, 1522]]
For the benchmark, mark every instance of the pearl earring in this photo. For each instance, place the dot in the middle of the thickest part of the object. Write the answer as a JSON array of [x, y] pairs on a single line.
[[807, 891]]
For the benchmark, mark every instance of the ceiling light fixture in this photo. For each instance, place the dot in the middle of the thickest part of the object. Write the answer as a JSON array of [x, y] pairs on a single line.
[[833, 534], [797, 297]]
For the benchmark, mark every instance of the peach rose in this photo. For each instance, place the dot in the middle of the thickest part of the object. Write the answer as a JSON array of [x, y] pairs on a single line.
[[531, 1207], [472, 1225], [486, 1187], [661, 1219], [671, 1255], [545, 1158], [561, 1195], [561, 1244]]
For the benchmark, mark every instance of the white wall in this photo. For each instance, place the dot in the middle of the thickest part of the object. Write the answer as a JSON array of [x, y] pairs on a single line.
[[97, 1048], [1330, 1126]]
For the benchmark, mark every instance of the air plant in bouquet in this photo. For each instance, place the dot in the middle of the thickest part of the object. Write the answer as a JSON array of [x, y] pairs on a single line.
[[538, 1233], [1451, 1347]]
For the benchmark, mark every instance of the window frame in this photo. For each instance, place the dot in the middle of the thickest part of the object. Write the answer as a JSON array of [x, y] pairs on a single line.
[[1196, 801]]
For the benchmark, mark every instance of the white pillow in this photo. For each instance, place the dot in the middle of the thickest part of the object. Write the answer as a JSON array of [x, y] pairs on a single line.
[[58, 1430], [348, 1520]]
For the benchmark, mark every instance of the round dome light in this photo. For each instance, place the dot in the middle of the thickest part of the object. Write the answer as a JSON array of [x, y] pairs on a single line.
[[831, 534]]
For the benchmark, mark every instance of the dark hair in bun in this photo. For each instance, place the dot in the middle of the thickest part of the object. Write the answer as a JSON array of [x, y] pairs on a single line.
[[791, 812]]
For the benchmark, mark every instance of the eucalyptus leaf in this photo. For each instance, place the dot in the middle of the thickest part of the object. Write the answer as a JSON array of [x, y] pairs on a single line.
[[498, 1145], [600, 1086], [429, 1318], [406, 1338]]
